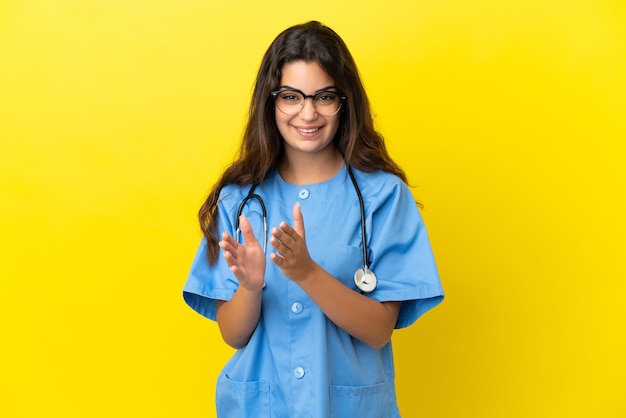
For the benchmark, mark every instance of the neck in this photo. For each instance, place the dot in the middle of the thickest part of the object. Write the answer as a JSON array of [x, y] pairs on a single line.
[[299, 171]]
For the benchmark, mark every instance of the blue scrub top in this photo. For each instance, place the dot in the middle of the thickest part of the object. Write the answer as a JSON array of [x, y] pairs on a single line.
[[297, 362]]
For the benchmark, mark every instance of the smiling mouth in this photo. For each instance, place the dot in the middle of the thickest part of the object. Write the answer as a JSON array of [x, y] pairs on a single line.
[[308, 130]]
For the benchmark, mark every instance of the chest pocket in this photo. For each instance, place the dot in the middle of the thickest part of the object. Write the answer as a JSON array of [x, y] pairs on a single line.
[[242, 399], [341, 261], [360, 401]]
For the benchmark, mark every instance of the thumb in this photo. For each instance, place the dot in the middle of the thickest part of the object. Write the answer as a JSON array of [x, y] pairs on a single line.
[[298, 220], [246, 231]]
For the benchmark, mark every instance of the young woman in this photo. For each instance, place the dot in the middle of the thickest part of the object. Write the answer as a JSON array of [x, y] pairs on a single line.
[[311, 303]]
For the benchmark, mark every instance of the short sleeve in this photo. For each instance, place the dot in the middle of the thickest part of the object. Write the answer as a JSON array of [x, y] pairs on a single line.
[[206, 284], [401, 254]]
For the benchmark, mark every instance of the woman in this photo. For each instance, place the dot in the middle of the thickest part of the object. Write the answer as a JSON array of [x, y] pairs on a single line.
[[313, 336]]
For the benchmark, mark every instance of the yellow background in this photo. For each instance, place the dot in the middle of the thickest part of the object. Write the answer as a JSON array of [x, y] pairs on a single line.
[[117, 116]]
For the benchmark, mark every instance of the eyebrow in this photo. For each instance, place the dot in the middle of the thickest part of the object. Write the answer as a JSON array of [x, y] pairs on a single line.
[[316, 91]]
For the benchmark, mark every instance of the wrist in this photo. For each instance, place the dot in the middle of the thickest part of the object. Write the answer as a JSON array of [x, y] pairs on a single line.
[[309, 275], [252, 290]]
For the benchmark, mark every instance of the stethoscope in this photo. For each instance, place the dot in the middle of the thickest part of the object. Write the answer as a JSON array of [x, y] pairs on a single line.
[[364, 278]]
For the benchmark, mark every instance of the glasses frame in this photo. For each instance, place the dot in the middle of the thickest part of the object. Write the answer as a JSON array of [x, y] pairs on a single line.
[[309, 96]]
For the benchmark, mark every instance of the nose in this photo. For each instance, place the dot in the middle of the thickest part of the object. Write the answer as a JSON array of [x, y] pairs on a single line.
[[308, 111]]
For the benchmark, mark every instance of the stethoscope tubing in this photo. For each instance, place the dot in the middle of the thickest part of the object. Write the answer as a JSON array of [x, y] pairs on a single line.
[[252, 195], [364, 278], [362, 209]]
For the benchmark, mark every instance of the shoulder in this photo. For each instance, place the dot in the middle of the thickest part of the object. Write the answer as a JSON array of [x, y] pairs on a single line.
[[380, 185], [231, 195]]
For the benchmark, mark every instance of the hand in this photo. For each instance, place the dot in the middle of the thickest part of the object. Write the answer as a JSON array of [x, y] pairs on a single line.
[[292, 255], [247, 260]]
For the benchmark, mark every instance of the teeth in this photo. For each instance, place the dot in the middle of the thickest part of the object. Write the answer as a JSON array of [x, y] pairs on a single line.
[[308, 131]]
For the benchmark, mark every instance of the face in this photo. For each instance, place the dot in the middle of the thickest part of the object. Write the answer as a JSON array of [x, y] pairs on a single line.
[[307, 132]]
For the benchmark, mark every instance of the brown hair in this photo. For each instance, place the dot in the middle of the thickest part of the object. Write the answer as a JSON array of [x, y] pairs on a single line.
[[262, 146]]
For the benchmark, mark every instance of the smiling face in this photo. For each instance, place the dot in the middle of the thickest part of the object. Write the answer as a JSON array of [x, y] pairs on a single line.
[[307, 132]]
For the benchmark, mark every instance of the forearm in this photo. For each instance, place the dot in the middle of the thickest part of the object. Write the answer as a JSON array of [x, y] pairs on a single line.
[[238, 317], [366, 319]]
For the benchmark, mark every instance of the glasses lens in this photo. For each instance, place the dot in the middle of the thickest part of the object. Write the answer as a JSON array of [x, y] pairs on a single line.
[[291, 102], [327, 102]]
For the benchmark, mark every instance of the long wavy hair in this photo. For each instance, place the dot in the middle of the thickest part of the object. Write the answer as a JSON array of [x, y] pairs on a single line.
[[262, 146]]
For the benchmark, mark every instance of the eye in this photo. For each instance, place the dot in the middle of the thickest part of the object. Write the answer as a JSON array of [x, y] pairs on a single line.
[[326, 97], [290, 97]]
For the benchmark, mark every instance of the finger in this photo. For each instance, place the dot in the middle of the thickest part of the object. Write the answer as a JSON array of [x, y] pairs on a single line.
[[286, 233], [226, 237], [228, 246], [278, 260], [277, 243], [298, 219], [236, 271], [246, 231], [228, 242], [231, 259]]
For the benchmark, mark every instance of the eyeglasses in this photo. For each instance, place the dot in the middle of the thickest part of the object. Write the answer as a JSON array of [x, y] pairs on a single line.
[[291, 101]]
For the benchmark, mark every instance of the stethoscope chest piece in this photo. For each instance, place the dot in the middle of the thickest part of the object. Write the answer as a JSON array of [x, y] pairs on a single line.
[[365, 280]]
